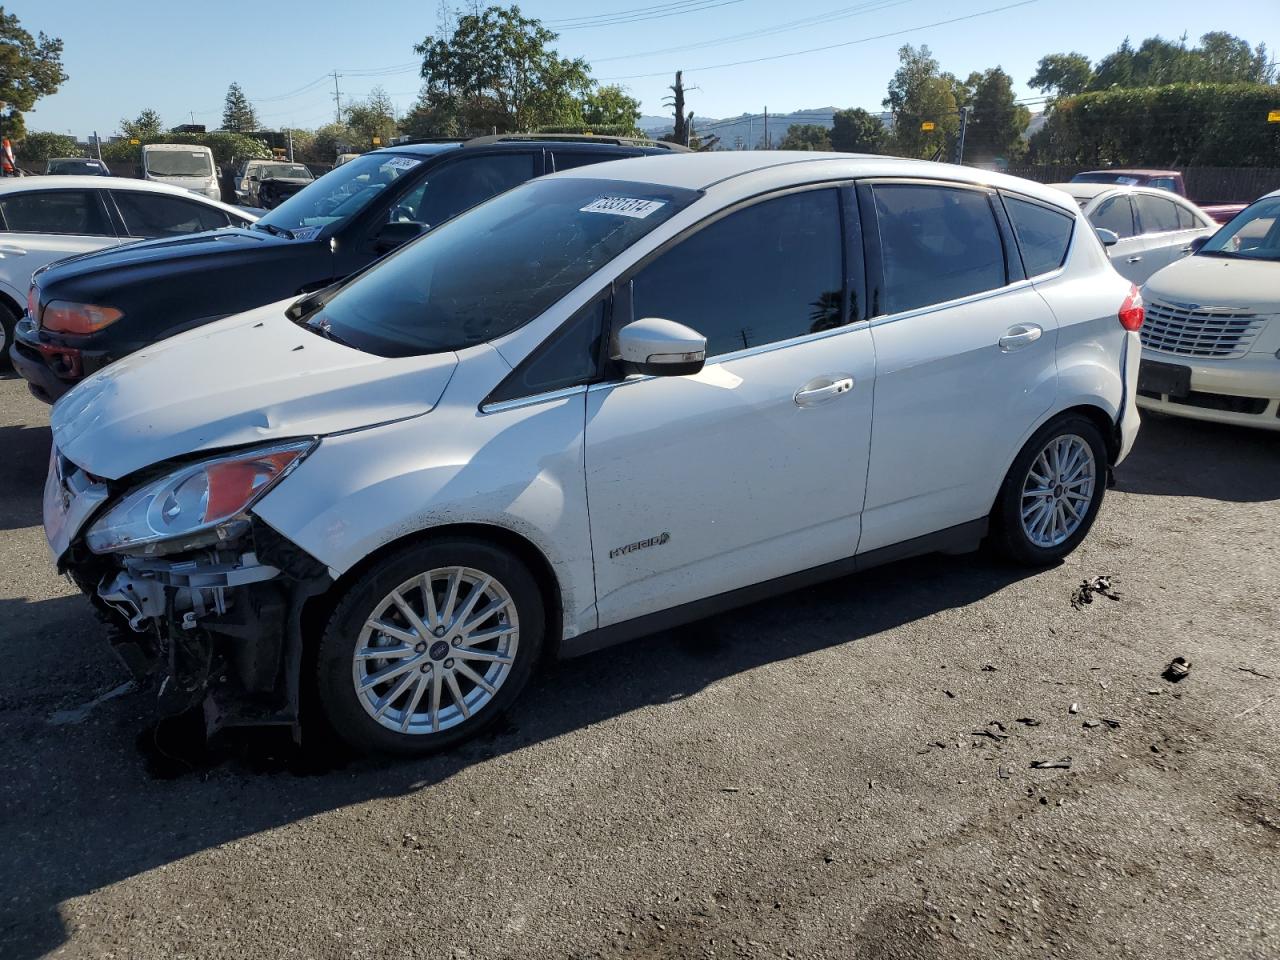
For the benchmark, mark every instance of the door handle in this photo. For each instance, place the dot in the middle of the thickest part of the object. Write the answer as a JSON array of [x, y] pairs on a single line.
[[1134, 260], [823, 389], [1186, 249], [10, 250], [1022, 335]]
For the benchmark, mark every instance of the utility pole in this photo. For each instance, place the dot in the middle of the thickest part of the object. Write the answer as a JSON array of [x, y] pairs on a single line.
[[337, 95], [97, 143], [289, 134], [964, 123], [767, 144]]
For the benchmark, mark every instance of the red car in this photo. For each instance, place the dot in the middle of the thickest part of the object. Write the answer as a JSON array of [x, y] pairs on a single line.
[[1170, 180]]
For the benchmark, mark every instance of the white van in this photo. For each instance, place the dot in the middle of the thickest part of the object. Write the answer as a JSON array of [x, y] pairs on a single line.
[[185, 165]]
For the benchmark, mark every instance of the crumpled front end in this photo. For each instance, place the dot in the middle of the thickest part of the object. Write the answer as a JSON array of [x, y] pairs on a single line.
[[210, 621]]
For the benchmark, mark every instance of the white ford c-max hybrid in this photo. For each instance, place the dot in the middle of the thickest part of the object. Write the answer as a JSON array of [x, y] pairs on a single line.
[[604, 403]]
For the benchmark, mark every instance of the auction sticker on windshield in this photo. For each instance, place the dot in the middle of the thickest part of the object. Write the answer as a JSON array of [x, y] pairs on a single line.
[[402, 163], [305, 233], [624, 206]]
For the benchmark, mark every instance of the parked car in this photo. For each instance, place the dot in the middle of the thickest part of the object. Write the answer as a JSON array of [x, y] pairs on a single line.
[[46, 219], [1144, 229], [184, 165], [336, 226], [265, 184], [76, 166], [388, 481], [1211, 345], [1168, 180], [345, 158]]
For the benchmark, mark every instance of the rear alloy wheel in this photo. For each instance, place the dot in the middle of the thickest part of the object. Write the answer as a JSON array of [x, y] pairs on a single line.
[[1052, 493], [430, 647]]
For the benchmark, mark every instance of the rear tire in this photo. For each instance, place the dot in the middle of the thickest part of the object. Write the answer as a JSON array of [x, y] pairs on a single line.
[[1052, 493], [455, 661], [8, 323]]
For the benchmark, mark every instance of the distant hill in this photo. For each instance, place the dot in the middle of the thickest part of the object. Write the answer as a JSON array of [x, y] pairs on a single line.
[[748, 128]]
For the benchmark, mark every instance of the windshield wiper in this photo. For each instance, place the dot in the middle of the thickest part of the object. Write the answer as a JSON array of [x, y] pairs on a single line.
[[275, 231], [324, 329]]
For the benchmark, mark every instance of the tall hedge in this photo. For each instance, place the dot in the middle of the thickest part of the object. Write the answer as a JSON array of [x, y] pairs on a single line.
[[1183, 124]]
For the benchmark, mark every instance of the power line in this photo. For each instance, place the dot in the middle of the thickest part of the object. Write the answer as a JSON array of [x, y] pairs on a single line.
[[816, 20], [832, 46], [617, 16], [696, 8]]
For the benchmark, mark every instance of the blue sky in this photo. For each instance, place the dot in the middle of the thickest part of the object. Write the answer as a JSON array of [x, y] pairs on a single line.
[[125, 56]]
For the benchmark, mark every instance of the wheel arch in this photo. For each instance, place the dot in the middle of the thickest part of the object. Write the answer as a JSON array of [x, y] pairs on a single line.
[[318, 609]]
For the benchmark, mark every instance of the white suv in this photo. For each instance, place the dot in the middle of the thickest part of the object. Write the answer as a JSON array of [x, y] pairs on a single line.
[[606, 402]]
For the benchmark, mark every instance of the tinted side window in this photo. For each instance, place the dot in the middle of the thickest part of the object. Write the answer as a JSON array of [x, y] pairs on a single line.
[[1156, 214], [56, 211], [462, 184], [156, 215], [566, 359], [1163, 183], [567, 161], [1115, 215], [766, 273], [1043, 235], [938, 243], [1188, 220]]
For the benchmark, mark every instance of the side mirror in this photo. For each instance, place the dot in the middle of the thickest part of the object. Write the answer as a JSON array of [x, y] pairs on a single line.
[[254, 177], [1109, 238], [1199, 242], [394, 234], [661, 348]]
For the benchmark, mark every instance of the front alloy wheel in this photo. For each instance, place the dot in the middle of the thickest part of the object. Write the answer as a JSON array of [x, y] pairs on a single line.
[[429, 647]]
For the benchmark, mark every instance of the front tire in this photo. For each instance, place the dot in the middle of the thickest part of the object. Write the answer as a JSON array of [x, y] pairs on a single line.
[[1052, 493], [430, 647]]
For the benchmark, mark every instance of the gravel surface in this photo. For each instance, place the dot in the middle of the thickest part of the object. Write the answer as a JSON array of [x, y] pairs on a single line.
[[843, 772]]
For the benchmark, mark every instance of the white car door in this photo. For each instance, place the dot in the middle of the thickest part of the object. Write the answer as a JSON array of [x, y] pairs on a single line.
[[41, 226], [1129, 255], [965, 359], [754, 468], [1163, 238]]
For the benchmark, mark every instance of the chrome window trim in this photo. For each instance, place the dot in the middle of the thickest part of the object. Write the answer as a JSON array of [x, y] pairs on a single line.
[[964, 301], [533, 399]]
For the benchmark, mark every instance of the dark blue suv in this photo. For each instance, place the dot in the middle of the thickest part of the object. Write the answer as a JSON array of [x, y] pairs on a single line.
[[86, 311]]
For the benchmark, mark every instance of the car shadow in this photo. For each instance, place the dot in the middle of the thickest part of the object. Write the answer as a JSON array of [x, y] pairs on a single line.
[[24, 462], [1174, 457], [81, 809]]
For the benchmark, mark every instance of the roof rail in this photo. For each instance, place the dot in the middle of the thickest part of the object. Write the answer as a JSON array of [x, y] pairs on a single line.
[[577, 138]]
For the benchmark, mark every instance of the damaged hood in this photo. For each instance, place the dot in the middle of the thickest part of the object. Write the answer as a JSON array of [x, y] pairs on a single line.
[[249, 379]]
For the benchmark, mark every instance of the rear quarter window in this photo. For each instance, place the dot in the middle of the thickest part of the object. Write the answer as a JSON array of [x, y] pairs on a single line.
[[1044, 235]]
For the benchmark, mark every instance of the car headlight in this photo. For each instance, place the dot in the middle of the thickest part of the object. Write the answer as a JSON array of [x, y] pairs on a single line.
[[200, 504]]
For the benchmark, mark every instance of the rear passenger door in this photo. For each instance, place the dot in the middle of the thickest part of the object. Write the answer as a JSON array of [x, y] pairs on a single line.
[[40, 226], [965, 361], [1161, 235], [1128, 255]]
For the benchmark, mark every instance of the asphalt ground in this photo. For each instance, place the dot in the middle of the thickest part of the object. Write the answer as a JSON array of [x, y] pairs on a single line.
[[841, 772]]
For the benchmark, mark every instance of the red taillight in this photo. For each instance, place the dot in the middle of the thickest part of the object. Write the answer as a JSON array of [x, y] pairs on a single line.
[[1132, 312]]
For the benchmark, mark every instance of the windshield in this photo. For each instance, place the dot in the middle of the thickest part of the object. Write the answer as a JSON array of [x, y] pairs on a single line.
[[178, 163], [294, 171], [496, 267], [74, 165], [340, 193], [1254, 234]]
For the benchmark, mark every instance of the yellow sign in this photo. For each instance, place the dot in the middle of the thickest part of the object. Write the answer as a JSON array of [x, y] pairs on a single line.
[[927, 125], [1273, 116], [377, 141], [135, 140]]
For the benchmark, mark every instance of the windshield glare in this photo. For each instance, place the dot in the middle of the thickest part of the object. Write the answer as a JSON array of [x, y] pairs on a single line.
[[1254, 234], [340, 193], [74, 166], [295, 171], [496, 267], [178, 163]]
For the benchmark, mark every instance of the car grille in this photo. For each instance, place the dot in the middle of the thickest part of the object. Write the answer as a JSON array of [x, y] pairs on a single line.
[[1199, 331]]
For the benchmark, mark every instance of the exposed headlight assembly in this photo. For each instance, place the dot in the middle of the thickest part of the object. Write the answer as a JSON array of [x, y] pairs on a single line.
[[195, 506]]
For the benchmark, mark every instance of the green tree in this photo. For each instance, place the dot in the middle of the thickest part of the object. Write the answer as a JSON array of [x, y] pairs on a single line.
[[40, 146], [996, 120], [373, 119], [611, 107], [333, 139], [146, 127], [434, 114], [920, 93], [30, 68], [227, 148], [238, 115], [503, 72], [806, 136], [1218, 58], [857, 131], [1062, 74]]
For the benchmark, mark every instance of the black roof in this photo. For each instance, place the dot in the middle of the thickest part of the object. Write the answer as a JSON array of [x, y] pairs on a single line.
[[516, 141]]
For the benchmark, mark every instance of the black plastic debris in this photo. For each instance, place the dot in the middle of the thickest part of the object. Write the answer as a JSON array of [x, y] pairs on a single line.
[[1029, 721], [1111, 724], [1177, 669], [1082, 595], [1063, 764]]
